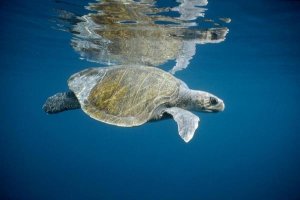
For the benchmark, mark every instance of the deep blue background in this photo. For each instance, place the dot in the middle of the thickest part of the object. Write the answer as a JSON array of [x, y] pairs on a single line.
[[250, 151]]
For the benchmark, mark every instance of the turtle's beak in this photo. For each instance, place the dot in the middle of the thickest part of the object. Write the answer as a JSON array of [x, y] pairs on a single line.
[[220, 106]]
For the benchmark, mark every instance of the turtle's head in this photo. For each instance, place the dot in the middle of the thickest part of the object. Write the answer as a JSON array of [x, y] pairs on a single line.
[[206, 102]]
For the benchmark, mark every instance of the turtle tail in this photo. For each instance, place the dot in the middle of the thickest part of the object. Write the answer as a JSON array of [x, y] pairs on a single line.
[[61, 102]]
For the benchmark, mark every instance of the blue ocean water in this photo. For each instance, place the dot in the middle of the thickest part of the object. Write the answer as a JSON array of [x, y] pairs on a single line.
[[249, 151]]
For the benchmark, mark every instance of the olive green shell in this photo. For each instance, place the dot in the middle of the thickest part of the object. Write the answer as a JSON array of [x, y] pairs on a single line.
[[123, 95]]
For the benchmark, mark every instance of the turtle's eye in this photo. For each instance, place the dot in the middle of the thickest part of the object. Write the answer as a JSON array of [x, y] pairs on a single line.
[[213, 101]]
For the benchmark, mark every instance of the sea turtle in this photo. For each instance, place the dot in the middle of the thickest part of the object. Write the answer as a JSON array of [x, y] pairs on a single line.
[[128, 95]]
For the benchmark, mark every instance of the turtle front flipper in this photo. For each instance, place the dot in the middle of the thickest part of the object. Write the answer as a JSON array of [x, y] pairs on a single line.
[[187, 122], [61, 102]]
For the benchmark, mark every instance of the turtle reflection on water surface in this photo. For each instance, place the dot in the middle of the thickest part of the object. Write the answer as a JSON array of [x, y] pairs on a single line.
[[128, 32]]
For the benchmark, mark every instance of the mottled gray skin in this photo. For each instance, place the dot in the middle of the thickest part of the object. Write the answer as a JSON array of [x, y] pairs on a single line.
[[61, 102], [194, 100], [198, 100]]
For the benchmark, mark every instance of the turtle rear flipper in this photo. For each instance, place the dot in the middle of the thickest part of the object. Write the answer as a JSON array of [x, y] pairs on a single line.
[[61, 102]]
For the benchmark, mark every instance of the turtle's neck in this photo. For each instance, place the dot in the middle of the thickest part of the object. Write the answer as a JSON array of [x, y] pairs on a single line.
[[188, 98], [185, 98]]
